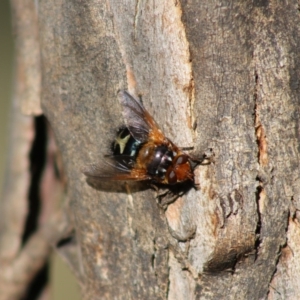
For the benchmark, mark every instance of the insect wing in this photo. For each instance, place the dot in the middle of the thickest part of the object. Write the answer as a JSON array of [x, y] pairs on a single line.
[[138, 120], [119, 167]]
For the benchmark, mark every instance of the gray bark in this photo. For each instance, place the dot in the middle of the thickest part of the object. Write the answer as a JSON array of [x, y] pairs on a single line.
[[231, 68]]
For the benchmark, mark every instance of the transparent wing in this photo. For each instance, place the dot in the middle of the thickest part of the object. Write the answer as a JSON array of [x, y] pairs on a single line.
[[119, 167], [139, 122]]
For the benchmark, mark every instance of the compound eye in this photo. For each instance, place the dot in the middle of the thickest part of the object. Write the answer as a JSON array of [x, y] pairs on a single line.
[[181, 159], [172, 178]]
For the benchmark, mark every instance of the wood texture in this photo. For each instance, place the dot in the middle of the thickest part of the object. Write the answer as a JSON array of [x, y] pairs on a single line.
[[214, 74], [228, 67]]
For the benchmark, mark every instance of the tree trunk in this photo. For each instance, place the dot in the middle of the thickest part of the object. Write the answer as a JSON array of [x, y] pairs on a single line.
[[214, 74]]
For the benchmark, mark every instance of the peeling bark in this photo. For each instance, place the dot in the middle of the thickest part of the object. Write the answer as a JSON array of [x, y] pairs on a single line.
[[221, 75]]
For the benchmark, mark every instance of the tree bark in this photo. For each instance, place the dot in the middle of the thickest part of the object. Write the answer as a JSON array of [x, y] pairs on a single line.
[[214, 74]]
